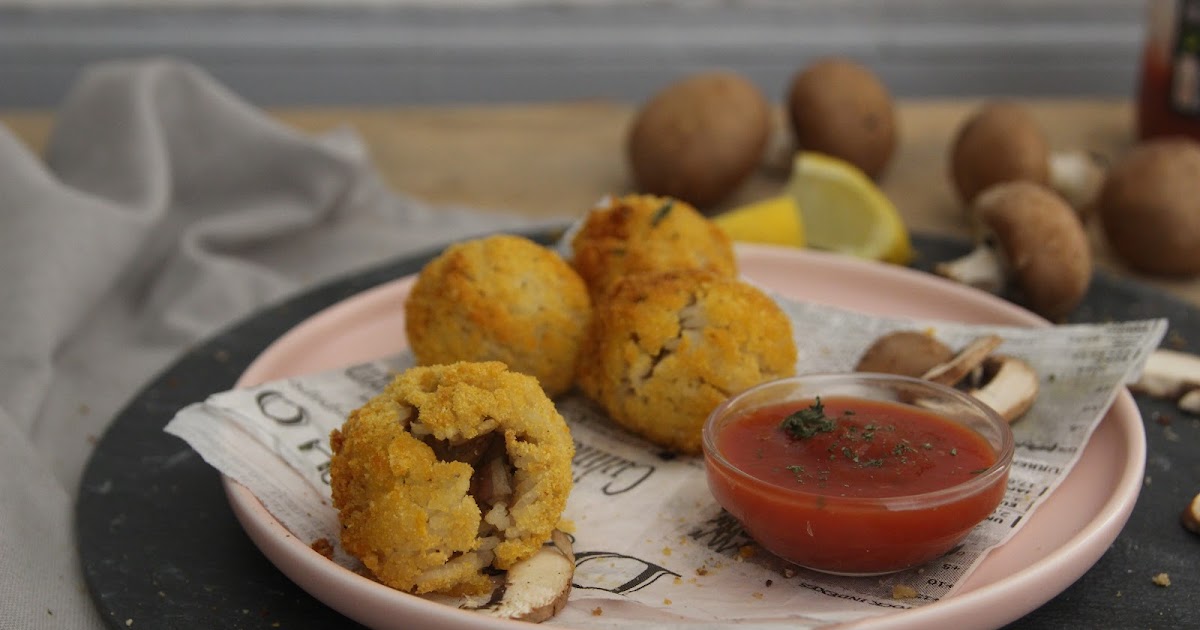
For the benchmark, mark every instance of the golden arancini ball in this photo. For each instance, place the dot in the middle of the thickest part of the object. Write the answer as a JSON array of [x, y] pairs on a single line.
[[500, 298], [639, 233], [666, 348], [450, 472]]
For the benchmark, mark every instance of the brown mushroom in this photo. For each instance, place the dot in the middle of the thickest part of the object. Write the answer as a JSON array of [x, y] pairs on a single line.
[[1002, 142], [839, 107], [699, 138], [1150, 207], [1030, 238], [1006, 384], [904, 352]]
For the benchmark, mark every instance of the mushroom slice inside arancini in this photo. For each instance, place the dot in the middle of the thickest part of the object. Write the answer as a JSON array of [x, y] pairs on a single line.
[[536, 588], [492, 479]]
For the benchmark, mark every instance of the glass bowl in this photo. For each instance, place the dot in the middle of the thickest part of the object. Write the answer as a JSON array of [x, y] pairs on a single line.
[[873, 473]]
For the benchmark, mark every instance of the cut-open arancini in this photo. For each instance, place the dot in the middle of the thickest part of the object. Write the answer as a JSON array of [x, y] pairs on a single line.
[[452, 471]]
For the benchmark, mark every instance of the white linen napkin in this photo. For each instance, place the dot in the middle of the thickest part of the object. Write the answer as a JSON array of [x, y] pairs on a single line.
[[165, 208]]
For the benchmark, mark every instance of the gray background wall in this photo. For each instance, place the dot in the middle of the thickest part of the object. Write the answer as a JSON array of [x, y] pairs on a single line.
[[374, 54]]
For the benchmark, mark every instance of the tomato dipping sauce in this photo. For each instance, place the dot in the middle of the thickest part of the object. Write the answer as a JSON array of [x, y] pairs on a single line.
[[877, 449], [885, 478]]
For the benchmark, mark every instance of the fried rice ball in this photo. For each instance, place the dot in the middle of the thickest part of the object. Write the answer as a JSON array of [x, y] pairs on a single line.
[[500, 298], [666, 348], [452, 470], [641, 233]]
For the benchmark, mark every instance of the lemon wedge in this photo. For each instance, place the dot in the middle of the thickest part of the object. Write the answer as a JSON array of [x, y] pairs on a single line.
[[775, 221], [844, 211]]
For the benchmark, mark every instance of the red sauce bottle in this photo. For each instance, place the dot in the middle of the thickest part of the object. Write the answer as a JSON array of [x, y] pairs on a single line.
[[1169, 94]]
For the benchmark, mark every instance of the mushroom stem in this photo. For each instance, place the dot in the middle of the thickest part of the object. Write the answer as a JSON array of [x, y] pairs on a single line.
[[1077, 176], [779, 156], [982, 268]]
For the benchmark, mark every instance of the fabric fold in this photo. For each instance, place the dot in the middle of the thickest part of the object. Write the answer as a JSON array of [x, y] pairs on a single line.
[[165, 209]]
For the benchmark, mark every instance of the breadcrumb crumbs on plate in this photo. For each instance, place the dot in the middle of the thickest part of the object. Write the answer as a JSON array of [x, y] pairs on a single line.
[[702, 571], [789, 573], [678, 579], [769, 583], [1162, 579], [666, 601], [666, 551], [746, 551], [323, 547], [757, 595], [597, 611], [903, 591]]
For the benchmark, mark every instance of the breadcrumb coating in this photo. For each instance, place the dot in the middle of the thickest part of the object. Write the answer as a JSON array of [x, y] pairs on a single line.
[[642, 233], [452, 469], [666, 348], [500, 298]]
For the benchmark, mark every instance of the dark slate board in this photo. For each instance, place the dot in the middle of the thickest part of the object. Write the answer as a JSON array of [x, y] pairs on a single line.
[[160, 545]]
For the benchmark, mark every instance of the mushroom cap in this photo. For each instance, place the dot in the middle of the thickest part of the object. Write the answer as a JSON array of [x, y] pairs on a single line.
[[905, 352], [1000, 142], [1150, 207], [699, 138], [1042, 243], [839, 107]]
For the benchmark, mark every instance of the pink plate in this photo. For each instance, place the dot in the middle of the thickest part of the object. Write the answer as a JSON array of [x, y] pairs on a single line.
[[1064, 538]]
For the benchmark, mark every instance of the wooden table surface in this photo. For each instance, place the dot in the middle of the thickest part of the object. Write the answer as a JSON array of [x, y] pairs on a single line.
[[556, 159]]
